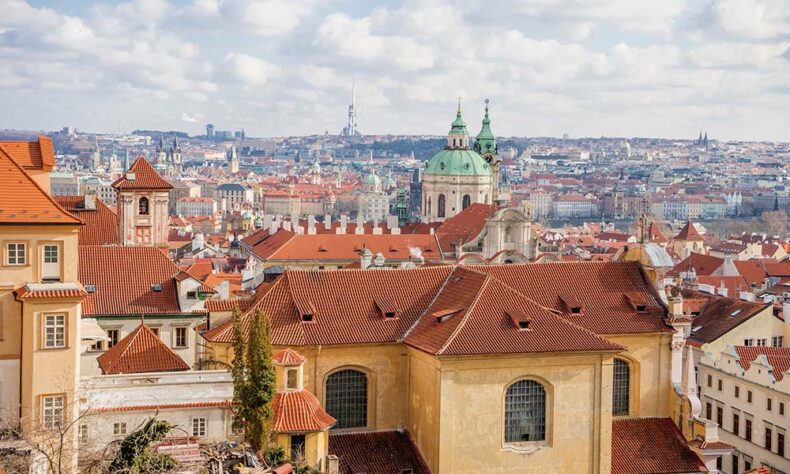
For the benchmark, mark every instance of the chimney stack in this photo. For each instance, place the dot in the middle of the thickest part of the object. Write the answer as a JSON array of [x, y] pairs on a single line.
[[327, 221], [365, 258], [360, 229], [90, 201], [311, 225]]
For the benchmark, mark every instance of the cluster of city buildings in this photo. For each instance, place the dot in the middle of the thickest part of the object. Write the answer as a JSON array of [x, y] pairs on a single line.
[[429, 316]]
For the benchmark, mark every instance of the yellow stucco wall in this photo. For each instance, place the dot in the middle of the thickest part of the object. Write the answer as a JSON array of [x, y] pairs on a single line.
[[760, 326], [649, 356], [425, 404]]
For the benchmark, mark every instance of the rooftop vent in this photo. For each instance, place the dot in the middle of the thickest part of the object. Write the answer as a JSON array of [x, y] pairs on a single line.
[[443, 315], [156, 287], [306, 311], [573, 305]]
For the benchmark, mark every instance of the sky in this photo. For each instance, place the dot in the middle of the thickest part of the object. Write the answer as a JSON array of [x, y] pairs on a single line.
[[626, 68]]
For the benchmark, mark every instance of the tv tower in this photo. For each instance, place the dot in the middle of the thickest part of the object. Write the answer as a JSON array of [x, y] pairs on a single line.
[[350, 130]]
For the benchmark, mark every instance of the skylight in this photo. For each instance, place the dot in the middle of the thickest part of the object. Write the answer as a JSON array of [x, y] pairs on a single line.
[[736, 312], [156, 287]]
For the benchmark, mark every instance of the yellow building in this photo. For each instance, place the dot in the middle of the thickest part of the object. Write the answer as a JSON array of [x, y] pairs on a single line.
[[512, 368], [39, 301]]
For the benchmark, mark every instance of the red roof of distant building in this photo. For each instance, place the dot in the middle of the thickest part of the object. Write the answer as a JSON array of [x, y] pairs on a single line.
[[654, 233], [464, 226], [145, 177], [23, 201], [689, 232], [718, 315], [140, 351], [377, 452], [651, 446], [299, 411], [99, 226], [38, 155], [701, 264]]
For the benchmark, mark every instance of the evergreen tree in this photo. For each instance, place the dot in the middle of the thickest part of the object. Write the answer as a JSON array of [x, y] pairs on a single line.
[[253, 380], [136, 456]]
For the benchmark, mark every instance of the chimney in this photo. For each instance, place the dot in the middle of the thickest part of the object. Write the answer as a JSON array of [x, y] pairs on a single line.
[[332, 464], [722, 290], [360, 229], [746, 295], [676, 305], [90, 201], [267, 221], [327, 221], [365, 258], [274, 226], [392, 223], [311, 225], [286, 225], [376, 229]]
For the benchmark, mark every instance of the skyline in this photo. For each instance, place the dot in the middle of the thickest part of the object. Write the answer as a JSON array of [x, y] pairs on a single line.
[[286, 68]]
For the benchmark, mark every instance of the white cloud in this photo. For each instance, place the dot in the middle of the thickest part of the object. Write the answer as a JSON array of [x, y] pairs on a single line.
[[250, 70], [755, 18]]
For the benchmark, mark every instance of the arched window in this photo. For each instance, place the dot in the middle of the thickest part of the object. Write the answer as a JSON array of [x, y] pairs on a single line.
[[508, 234], [440, 212], [142, 207], [525, 412], [466, 202], [621, 387], [347, 398], [429, 206]]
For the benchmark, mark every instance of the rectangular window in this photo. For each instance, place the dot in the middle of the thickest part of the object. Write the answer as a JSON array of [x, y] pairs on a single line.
[[54, 331], [768, 438], [777, 341], [769, 404], [199, 427], [291, 379], [297, 447], [781, 408], [708, 411], [710, 380], [191, 295], [748, 430], [719, 385], [119, 429], [180, 337], [97, 346], [737, 390], [735, 464], [16, 254], [747, 463], [113, 335], [762, 342], [83, 434], [50, 269], [720, 416], [52, 411], [780, 444], [749, 396], [155, 331], [736, 424], [748, 342]]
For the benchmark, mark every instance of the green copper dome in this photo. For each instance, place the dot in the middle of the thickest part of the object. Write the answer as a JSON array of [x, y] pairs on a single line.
[[372, 179], [458, 162]]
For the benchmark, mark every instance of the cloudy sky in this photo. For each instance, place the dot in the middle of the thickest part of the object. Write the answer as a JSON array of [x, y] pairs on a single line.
[[667, 68]]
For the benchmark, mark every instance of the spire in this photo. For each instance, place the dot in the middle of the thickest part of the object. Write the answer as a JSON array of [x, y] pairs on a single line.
[[486, 141], [458, 136]]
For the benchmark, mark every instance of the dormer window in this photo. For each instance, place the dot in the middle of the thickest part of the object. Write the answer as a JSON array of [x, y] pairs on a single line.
[[445, 314], [307, 318], [291, 379], [637, 301], [306, 310], [387, 308], [523, 325], [572, 305], [90, 288], [156, 287]]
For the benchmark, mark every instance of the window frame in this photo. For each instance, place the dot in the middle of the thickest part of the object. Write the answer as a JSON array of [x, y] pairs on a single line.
[[176, 331], [44, 344], [7, 252], [42, 246], [548, 417], [140, 206], [119, 428], [45, 425], [369, 395], [202, 426], [628, 366]]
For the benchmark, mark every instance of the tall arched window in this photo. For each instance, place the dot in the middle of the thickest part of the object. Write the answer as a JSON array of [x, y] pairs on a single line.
[[621, 387], [429, 206], [142, 207], [440, 210], [347, 398], [466, 202], [525, 412], [508, 234]]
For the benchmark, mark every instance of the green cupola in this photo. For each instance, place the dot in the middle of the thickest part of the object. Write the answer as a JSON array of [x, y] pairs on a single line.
[[457, 159], [485, 142], [458, 138]]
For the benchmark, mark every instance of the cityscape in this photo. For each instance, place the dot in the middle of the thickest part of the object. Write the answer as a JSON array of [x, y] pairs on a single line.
[[354, 251]]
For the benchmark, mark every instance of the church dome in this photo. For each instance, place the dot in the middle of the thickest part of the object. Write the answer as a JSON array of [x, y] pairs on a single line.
[[372, 179], [458, 162], [247, 215]]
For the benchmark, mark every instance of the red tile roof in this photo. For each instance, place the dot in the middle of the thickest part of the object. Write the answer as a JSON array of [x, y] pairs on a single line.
[[200, 270], [464, 226], [651, 445], [40, 291], [288, 357], [655, 234], [701, 264], [124, 277], [145, 177], [23, 201], [140, 351], [719, 315], [689, 232], [99, 226], [162, 406], [299, 411], [227, 305], [377, 452], [477, 314], [754, 271], [778, 357], [38, 155], [346, 306]]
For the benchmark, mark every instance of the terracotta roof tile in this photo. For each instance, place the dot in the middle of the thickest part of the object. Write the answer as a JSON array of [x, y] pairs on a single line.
[[162, 406], [140, 351], [719, 315], [464, 226], [124, 279], [753, 271], [288, 357], [377, 452], [99, 226], [23, 201], [38, 155], [651, 445], [655, 234], [51, 290], [227, 305], [145, 177], [689, 233], [299, 411], [778, 357], [701, 264]]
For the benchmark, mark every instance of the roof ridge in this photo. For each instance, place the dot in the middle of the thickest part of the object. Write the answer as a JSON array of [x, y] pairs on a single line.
[[467, 313], [417, 320], [131, 338]]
